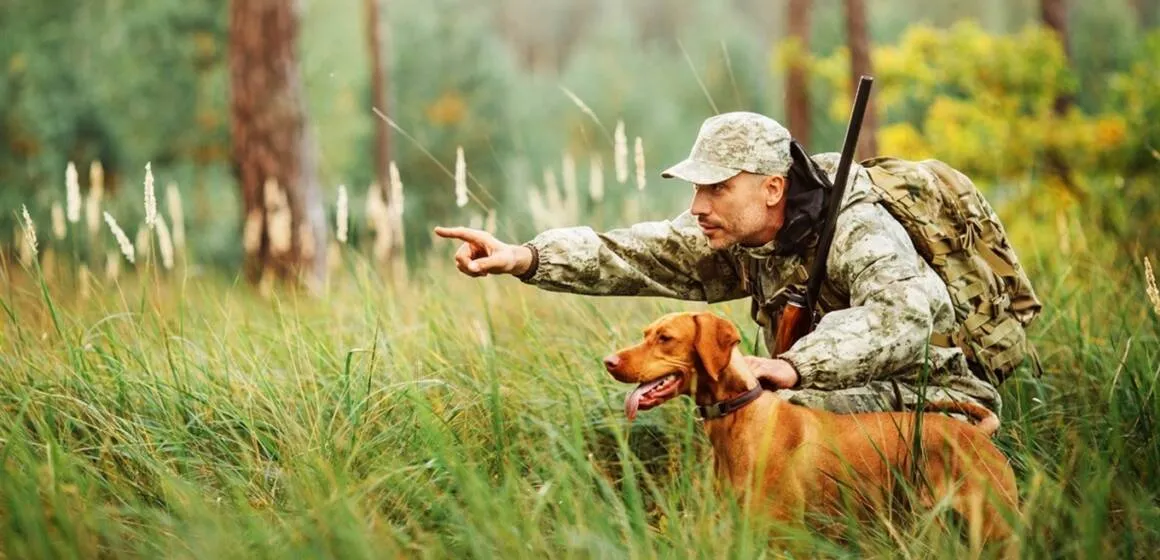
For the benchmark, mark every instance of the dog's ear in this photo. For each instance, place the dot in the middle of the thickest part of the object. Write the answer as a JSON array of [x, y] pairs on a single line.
[[714, 342]]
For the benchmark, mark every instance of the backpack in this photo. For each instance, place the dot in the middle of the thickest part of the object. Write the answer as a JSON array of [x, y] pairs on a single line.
[[960, 236]]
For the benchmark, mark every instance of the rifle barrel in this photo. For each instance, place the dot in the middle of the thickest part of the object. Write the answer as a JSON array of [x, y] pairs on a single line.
[[826, 238]]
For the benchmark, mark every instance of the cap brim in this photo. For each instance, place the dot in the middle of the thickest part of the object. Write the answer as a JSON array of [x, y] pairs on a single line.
[[699, 173]]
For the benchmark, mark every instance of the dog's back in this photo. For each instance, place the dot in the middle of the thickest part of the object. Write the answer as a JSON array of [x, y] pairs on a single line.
[[869, 456]]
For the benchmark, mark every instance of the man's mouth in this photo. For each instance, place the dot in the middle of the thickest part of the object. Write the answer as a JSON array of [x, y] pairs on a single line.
[[651, 394]]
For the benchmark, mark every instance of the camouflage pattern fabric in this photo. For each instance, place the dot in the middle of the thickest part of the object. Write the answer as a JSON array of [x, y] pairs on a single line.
[[732, 142], [876, 396]]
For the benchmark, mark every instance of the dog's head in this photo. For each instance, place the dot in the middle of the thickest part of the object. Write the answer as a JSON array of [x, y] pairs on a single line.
[[680, 352]]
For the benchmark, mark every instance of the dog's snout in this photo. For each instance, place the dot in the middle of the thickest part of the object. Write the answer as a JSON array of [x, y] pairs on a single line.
[[611, 362]]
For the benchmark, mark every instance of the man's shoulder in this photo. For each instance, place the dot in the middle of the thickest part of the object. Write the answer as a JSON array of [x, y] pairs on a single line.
[[857, 184]]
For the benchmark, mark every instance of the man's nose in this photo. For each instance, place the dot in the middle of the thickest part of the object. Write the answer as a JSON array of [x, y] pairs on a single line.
[[699, 206], [611, 362]]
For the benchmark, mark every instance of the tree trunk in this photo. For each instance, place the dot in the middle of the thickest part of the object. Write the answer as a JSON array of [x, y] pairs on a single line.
[[284, 233], [378, 97], [392, 216], [797, 93], [1054, 14], [1145, 13], [858, 38]]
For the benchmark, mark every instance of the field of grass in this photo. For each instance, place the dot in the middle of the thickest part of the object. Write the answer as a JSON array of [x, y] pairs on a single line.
[[186, 416]]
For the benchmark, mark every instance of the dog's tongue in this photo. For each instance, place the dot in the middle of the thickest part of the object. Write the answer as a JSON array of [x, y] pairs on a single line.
[[632, 402]]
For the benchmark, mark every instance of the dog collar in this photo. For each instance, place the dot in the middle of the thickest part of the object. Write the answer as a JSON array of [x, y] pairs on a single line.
[[727, 407]]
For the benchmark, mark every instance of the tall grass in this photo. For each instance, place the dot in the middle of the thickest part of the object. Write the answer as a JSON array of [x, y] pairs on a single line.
[[448, 417]]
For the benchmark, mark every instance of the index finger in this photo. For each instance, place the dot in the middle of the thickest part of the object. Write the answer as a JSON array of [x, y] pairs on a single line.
[[462, 233]]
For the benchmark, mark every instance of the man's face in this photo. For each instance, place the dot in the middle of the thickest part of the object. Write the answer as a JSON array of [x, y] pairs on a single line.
[[745, 209]]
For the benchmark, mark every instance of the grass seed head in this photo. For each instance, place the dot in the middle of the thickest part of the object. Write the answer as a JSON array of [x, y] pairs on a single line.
[[596, 178], [396, 191], [28, 249], [164, 243], [59, 227], [112, 266], [620, 142], [122, 239], [176, 215], [72, 193], [150, 197], [1153, 292], [279, 222], [93, 202], [640, 175], [460, 178], [343, 215]]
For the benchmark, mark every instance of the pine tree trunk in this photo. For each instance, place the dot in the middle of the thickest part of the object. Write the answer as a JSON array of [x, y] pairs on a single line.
[[1054, 14], [797, 93], [858, 38], [284, 231], [1145, 13], [382, 151]]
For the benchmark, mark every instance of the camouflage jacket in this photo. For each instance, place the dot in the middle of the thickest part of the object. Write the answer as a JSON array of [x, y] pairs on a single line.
[[880, 301]]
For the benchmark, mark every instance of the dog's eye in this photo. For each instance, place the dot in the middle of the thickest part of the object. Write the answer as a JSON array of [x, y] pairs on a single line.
[[663, 338]]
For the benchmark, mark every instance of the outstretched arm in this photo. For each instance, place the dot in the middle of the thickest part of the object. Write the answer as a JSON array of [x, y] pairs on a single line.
[[669, 258]]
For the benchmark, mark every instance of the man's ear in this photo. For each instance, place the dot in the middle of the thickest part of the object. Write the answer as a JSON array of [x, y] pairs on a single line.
[[714, 344], [775, 189]]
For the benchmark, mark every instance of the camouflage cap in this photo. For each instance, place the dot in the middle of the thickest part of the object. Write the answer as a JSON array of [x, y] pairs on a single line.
[[730, 143]]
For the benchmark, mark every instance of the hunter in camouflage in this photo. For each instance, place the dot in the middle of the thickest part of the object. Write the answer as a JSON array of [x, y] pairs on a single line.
[[881, 300]]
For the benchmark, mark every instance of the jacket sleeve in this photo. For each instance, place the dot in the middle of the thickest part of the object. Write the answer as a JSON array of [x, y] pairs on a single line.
[[886, 328], [670, 258]]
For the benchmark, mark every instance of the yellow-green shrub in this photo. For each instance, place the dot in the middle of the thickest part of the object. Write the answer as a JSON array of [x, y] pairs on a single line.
[[985, 103]]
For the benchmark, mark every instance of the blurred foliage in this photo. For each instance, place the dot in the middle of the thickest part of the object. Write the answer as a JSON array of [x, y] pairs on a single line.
[[985, 104], [148, 82]]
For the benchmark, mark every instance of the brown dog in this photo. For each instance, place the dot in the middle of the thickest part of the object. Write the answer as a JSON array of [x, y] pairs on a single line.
[[789, 459]]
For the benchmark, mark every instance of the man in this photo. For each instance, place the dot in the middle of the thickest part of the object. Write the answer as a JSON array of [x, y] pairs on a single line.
[[743, 236]]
